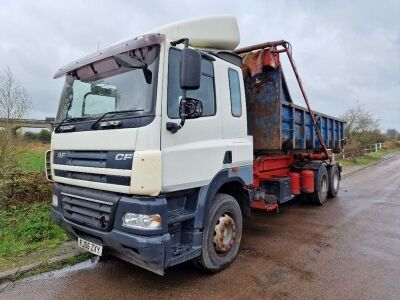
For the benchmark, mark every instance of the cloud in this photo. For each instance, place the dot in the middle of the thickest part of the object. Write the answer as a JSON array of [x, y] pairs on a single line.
[[347, 52]]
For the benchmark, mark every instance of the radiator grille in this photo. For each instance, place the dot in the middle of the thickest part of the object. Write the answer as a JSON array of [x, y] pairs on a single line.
[[72, 163], [92, 212], [95, 159], [111, 179]]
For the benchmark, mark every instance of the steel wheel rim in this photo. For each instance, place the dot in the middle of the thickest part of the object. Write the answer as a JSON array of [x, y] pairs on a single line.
[[224, 233]]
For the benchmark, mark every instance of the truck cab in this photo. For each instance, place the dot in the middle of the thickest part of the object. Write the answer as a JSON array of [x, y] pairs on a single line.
[[151, 157], [122, 179]]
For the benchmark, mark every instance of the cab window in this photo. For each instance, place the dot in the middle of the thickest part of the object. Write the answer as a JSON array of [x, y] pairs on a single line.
[[234, 88], [206, 92]]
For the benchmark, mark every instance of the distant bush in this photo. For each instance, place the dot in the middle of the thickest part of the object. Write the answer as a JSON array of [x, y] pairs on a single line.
[[392, 145], [30, 135], [43, 136], [353, 148]]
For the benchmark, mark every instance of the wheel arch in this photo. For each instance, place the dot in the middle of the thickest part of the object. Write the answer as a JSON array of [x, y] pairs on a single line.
[[228, 181], [237, 190]]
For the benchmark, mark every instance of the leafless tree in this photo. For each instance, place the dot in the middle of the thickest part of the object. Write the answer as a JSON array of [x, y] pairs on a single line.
[[361, 130], [14, 105], [14, 99], [359, 120]]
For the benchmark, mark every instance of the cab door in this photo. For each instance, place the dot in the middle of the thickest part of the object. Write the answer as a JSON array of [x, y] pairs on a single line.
[[192, 156], [234, 119]]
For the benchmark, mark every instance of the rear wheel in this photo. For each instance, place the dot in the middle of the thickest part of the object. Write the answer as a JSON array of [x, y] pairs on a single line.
[[334, 179], [320, 195], [221, 235]]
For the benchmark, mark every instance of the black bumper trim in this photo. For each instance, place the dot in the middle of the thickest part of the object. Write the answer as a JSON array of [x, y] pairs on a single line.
[[146, 252]]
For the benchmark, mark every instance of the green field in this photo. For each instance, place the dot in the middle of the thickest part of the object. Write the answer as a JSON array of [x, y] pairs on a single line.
[[30, 161]]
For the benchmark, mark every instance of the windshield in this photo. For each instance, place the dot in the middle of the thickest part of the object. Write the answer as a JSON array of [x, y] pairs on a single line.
[[118, 89]]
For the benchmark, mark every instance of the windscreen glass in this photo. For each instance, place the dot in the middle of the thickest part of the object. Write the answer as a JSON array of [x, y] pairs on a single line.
[[118, 88]]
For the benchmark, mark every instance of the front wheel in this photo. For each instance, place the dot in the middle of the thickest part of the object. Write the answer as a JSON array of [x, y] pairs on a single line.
[[222, 234]]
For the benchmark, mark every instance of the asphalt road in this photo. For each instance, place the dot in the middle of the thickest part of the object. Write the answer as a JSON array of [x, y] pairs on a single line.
[[347, 249]]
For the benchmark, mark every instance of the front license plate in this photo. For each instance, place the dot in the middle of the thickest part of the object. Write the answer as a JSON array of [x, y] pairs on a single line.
[[91, 247]]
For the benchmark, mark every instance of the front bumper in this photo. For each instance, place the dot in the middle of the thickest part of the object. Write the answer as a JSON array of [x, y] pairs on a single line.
[[147, 252]]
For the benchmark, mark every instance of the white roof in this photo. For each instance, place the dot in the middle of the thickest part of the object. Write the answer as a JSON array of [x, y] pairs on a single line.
[[213, 32]]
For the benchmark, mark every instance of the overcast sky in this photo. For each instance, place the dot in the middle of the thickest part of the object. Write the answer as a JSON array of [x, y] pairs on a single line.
[[347, 52]]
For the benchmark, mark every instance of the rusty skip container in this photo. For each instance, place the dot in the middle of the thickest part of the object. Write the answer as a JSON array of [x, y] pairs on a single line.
[[275, 122]]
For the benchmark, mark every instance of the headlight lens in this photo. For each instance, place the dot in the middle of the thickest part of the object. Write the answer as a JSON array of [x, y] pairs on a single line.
[[140, 221], [54, 200]]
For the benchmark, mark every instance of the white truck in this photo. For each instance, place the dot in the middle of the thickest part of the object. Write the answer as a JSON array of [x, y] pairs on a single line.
[[152, 156]]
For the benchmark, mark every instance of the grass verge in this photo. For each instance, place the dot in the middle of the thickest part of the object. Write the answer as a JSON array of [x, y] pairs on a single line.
[[367, 159], [27, 234]]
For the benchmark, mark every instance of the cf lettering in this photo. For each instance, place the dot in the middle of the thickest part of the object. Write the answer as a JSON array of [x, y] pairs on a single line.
[[121, 156]]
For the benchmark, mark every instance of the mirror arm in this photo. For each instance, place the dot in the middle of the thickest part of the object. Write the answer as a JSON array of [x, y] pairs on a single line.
[[182, 108], [174, 127]]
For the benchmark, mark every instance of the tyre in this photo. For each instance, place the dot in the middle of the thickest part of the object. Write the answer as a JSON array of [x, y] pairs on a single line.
[[334, 181], [222, 234], [320, 195]]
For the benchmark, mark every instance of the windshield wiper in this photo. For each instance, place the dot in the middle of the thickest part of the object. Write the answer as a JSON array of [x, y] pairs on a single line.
[[116, 112], [69, 120]]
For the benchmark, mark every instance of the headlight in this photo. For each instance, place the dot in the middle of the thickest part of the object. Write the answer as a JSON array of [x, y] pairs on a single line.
[[140, 221], [54, 201]]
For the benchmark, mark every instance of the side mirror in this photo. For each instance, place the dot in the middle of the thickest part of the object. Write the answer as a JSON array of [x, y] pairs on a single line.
[[190, 69], [189, 79], [191, 108]]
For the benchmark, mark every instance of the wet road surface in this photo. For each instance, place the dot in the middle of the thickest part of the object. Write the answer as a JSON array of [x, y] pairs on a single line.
[[347, 249]]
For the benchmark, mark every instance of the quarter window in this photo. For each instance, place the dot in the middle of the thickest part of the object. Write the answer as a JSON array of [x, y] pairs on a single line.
[[205, 93], [234, 88]]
